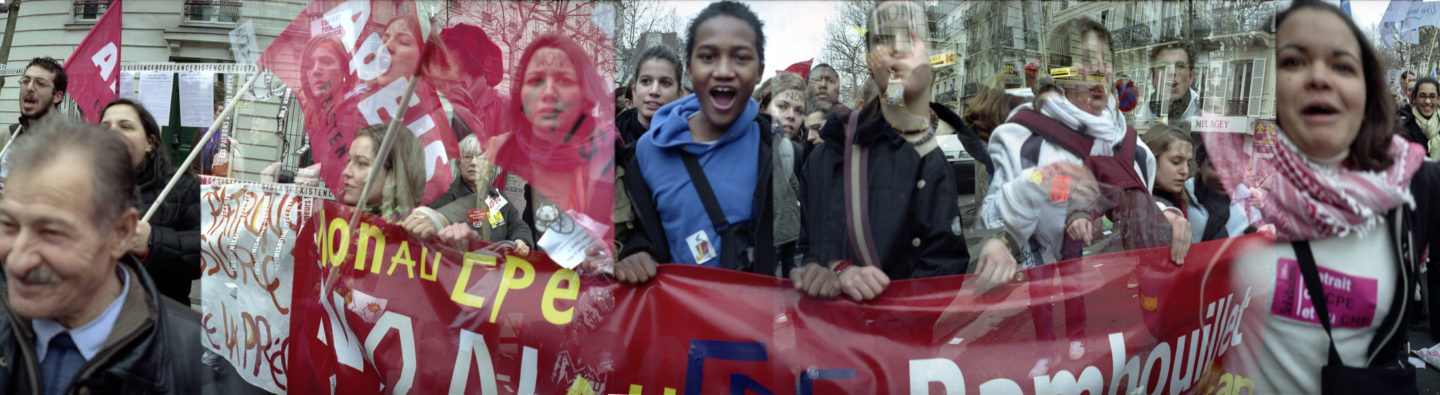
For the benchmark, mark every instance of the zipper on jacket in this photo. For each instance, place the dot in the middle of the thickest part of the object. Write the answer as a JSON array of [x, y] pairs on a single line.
[[1404, 282]]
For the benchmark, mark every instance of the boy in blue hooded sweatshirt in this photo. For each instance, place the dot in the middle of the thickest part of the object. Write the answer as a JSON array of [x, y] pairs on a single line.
[[699, 180]]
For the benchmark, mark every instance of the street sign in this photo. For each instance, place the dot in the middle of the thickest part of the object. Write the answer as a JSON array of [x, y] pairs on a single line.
[[942, 59]]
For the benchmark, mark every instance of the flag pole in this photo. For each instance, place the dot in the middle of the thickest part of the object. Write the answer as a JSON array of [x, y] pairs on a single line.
[[384, 151], [179, 171]]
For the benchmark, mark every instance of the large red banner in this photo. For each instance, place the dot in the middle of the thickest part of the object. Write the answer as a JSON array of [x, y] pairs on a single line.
[[412, 317], [93, 69]]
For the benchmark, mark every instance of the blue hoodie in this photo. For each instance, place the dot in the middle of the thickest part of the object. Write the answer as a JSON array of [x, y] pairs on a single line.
[[729, 163]]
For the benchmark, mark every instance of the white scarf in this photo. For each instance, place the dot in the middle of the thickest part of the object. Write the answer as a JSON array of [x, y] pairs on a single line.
[[1107, 128]]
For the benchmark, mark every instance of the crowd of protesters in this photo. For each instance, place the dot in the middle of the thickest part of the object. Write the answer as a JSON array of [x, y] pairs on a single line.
[[714, 167]]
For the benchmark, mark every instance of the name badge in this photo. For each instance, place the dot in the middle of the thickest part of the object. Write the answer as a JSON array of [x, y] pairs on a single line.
[[700, 247]]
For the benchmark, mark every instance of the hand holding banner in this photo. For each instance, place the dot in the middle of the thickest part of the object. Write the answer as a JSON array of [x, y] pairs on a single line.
[[417, 316]]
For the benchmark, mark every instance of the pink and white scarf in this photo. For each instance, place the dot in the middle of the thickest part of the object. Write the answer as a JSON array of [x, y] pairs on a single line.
[[1308, 201]]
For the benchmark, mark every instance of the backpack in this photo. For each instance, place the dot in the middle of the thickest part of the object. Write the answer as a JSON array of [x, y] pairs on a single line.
[[1123, 197]]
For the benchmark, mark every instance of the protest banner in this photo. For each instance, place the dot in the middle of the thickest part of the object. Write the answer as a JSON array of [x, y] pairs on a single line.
[[247, 233], [414, 317], [349, 63], [563, 142]]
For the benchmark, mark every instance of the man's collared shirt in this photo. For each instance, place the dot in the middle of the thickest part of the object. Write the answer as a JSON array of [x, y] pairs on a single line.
[[89, 338]]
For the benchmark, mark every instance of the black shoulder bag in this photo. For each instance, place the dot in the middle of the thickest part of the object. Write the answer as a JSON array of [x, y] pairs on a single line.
[[737, 241], [1335, 377]]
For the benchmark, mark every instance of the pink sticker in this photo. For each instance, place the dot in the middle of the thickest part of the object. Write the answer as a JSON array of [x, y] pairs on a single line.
[[1349, 299]]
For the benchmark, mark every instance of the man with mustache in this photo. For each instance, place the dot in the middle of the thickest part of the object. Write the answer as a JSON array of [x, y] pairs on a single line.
[[42, 88], [77, 313]]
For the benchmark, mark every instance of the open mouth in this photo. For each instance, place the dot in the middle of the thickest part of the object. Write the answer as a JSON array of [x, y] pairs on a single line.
[[28, 103], [652, 105], [723, 97], [1319, 109]]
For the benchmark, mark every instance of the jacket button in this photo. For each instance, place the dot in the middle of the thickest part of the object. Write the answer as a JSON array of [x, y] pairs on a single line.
[[920, 184], [915, 242], [84, 390]]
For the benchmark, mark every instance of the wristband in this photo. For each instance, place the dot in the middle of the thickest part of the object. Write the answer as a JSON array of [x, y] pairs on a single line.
[[845, 264]]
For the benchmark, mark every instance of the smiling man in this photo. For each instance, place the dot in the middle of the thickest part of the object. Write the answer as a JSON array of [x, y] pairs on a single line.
[[78, 313]]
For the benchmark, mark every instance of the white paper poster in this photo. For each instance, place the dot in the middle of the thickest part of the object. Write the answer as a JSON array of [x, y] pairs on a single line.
[[246, 272], [127, 85], [242, 44], [197, 99], [155, 95]]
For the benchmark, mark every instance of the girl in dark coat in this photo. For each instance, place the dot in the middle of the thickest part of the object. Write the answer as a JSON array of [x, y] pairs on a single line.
[[169, 243]]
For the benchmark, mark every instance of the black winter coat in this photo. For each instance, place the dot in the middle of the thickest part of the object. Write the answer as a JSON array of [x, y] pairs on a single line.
[[161, 351], [913, 208], [1424, 228], [174, 258], [1411, 131], [649, 235], [458, 189]]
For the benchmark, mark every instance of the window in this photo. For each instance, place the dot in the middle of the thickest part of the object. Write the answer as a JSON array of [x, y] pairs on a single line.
[[1240, 79], [89, 10], [212, 11]]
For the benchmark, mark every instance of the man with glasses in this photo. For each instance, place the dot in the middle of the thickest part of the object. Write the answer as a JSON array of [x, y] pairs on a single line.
[[1172, 72], [42, 88]]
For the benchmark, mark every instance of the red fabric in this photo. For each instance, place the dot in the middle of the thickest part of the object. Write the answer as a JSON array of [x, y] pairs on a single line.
[[337, 104], [574, 170], [94, 68], [801, 68], [530, 326]]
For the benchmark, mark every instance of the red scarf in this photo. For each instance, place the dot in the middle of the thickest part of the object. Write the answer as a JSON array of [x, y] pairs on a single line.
[[1307, 201]]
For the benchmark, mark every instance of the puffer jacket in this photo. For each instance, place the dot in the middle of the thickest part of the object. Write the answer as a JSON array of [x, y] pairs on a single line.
[[174, 258], [155, 348]]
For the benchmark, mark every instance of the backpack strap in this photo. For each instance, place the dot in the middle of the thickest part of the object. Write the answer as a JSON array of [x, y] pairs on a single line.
[[857, 216], [702, 187], [1055, 132]]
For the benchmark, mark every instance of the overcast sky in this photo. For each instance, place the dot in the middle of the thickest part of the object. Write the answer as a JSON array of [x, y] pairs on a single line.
[[794, 30]]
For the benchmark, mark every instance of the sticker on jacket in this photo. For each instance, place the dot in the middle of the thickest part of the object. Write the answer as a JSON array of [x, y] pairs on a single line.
[[700, 247], [477, 217], [495, 203], [1350, 299]]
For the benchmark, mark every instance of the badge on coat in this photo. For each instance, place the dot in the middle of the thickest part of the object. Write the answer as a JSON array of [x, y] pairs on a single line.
[[495, 203], [700, 247], [478, 217]]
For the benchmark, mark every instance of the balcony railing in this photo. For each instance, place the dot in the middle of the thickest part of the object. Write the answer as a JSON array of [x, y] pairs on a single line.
[[90, 10], [212, 11]]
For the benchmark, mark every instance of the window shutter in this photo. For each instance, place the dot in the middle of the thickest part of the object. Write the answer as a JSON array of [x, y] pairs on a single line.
[[1257, 86]]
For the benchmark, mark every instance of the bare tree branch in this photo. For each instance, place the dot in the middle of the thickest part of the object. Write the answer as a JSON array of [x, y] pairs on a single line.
[[844, 47]]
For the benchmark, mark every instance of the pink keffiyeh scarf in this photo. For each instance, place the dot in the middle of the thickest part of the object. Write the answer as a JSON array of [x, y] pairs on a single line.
[[1308, 201]]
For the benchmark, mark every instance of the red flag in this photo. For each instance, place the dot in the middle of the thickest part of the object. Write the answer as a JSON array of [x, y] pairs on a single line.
[[556, 134], [799, 68], [93, 69], [349, 63]]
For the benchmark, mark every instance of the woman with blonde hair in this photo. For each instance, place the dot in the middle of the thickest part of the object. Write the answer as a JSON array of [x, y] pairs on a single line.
[[398, 186]]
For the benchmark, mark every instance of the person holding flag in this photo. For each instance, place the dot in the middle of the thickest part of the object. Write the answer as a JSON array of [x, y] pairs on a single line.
[[169, 243]]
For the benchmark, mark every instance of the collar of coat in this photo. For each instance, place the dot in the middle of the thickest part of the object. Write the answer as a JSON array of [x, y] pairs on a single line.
[[137, 323]]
